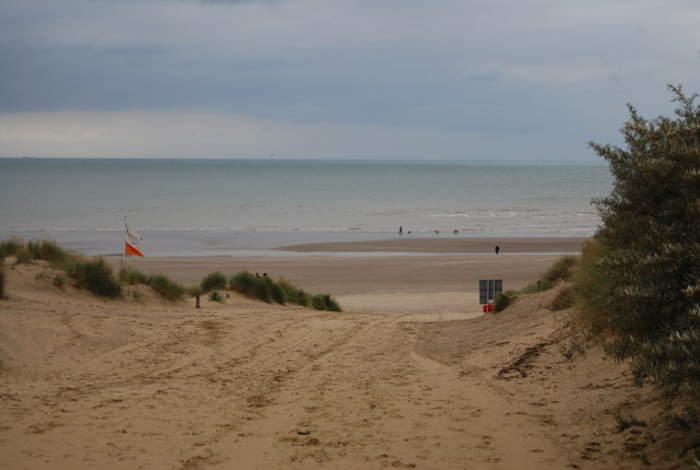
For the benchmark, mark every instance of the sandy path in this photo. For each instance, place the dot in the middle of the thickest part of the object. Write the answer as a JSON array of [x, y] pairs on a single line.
[[92, 384]]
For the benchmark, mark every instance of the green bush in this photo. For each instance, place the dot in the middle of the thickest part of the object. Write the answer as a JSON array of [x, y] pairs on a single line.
[[647, 275], [214, 296], [166, 287], [213, 281], [132, 276], [592, 289], [96, 276]]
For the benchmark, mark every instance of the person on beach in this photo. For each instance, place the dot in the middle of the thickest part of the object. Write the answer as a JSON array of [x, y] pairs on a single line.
[[400, 229], [497, 249]]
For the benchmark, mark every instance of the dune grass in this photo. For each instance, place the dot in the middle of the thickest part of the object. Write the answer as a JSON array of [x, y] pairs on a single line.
[[325, 302], [26, 252], [10, 247], [211, 281], [560, 270], [50, 251], [160, 283], [166, 287], [2, 283], [132, 276], [281, 291], [96, 276]]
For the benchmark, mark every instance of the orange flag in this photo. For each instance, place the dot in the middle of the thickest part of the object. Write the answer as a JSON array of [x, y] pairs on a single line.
[[132, 242], [130, 250]]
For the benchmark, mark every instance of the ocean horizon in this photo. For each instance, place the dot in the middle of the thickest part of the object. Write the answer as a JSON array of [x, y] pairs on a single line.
[[229, 206]]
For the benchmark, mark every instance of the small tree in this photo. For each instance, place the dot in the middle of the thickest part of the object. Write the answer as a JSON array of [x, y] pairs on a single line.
[[648, 263]]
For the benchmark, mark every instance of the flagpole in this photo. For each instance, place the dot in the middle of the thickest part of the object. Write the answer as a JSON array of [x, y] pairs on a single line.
[[126, 230]]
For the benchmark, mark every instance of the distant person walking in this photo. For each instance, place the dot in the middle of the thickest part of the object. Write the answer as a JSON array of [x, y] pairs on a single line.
[[497, 249], [400, 229]]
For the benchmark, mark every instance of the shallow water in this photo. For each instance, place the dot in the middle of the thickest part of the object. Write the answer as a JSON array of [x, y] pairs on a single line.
[[219, 206]]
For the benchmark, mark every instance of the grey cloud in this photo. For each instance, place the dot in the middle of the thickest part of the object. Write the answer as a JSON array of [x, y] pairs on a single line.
[[511, 68]]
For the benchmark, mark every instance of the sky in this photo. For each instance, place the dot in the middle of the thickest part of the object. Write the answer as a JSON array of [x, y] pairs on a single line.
[[365, 79]]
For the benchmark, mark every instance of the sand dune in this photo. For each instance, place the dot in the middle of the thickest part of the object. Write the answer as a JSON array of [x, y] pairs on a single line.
[[88, 383]]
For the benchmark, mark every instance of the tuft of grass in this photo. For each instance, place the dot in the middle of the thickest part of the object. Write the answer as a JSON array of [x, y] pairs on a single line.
[[275, 291], [96, 276], [243, 282], [280, 291], [132, 276], [47, 250], [535, 287], [561, 270], [564, 299], [166, 287], [325, 302], [160, 283], [50, 251], [59, 281], [214, 296], [23, 255], [502, 301], [2, 283], [10, 247], [212, 281], [294, 294]]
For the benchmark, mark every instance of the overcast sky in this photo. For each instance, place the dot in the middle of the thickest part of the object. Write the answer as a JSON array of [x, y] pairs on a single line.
[[479, 80]]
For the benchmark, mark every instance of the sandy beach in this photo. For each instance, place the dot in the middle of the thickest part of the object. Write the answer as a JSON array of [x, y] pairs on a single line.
[[409, 375], [472, 245], [375, 283]]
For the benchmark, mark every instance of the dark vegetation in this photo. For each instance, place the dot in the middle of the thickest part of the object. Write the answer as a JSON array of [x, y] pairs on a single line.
[[636, 285], [213, 281], [132, 276], [640, 278], [97, 276], [2, 283], [280, 291], [214, 296], [92, 274], [166, 287], [160, 283], [561, 271]]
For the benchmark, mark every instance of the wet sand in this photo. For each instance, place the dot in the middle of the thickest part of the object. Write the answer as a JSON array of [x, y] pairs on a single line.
[[450, 245]]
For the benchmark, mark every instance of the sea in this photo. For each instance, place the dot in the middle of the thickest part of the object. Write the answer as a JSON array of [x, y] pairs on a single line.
[[235, 207]]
